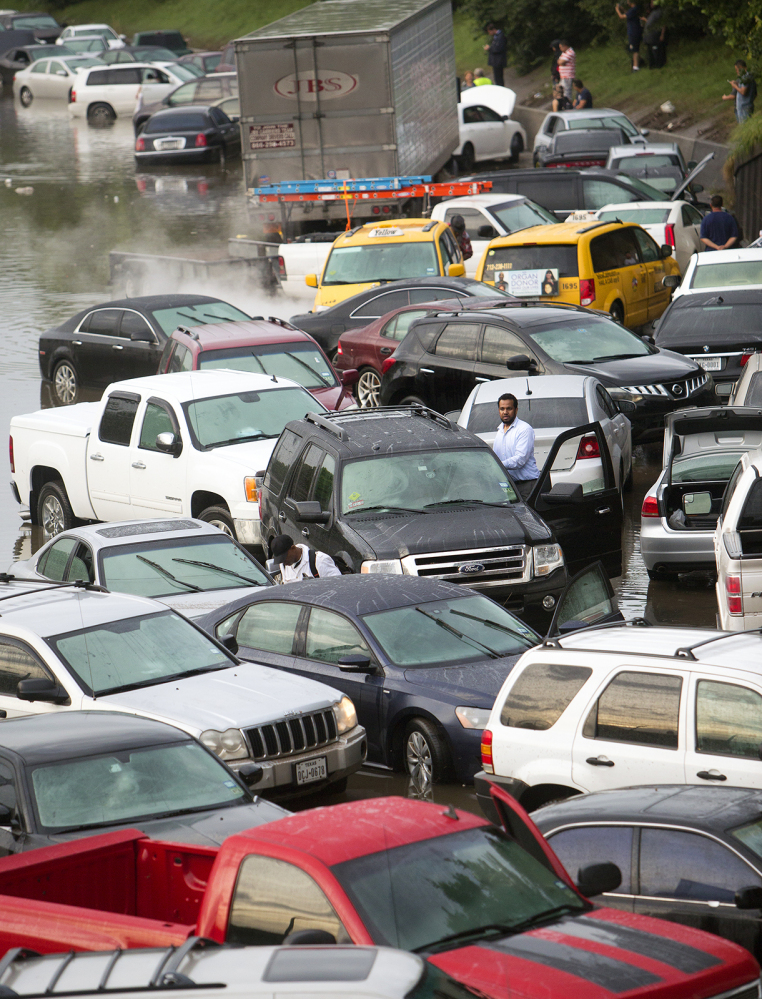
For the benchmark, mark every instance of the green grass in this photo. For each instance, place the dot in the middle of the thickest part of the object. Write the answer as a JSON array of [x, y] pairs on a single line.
[[469, 44]]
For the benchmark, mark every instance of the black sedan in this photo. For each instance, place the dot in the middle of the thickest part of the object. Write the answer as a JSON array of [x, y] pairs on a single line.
[[193, 134], [120, 339], [423, 660], [75, 773], [14, 59], [443, 357], [719, 331], [361, 309], [689, 854]]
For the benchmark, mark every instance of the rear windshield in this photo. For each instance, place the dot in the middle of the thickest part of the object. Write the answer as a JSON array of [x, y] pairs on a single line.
[[587, 339], [707, 321], [651, 192], [380, 262], [638, 163], [197, 315], [154, 54], [568, 142], [559, 257], [177, 123], [709, 467], [538, 413], [643, 216], [731, 273], [614, 121], [301, 362], [520, 216], [35, 21]]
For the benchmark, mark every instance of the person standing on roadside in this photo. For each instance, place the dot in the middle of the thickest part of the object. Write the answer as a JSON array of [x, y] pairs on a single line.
[[567, 67], [560, 101], [514, 445], [555, 76], [719, 230], [583, 99], [634, 31], [744, 92], [654, 35], [458, 226], [498, 52]]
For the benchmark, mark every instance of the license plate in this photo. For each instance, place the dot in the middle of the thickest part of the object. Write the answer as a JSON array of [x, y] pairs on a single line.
[[710, 363], [170, 144], [311, 770]]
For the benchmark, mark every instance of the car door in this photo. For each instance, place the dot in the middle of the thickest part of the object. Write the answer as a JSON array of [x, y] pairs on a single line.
[[265, 631], [498, 344], [583, 844], [97, 351], [724, 733], [618, 432], [445, 374], [157, 478], [154, 84], [122, 88], [141, 348], [587, 525], [58, 80], [650, 254], [688, 234], [108, 458], [393, 333], [11, 799], [19, 662], [38, 82], [298, 490]]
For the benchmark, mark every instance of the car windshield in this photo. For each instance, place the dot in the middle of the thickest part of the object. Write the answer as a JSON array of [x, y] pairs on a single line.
[[301, 362], [443, 632], [85, 44], [501, 260], [612, 121], [652, 193], [246, 416], [176, 121], [35, 21], [131, 786], [102, 32], [137, 652], [423, 481], [728, 274], [83, 62], [643, 216], [201, 564], [418, 895], [538, 413], [197, 315], [728, 321], [587, 339], [711, 467], [380, 262], [520, 215]]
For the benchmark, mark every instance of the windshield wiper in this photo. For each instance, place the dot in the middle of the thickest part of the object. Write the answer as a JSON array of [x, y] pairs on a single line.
[[490, 624], [162, 679], [307, 366], [165, 572], [476, 502], [489, 930], [616, 357], [238, 440], [548, 916], [466, 639], [218, 568], [151, 816], [393, 509]]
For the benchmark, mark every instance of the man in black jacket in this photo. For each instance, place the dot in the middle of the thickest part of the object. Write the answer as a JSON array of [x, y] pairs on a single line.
[[498, 51]]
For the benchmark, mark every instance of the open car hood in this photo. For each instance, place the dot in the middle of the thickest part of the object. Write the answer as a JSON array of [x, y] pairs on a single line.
[[679, 190], [500, 99]]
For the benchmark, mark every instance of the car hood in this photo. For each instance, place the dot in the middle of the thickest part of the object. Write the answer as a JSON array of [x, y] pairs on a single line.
[[662, 366], [196, 605], [457, 529], [252, 455], [244, 695], [477, 684], [499, 99]]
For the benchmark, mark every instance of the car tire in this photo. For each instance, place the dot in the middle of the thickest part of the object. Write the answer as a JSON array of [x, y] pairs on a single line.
[[26, 96], [425, 753], [617, 312], [54, 513], [220, 518], [467, 159], [368, 388], [517, 147], [101, 115], [65, 383], [627, 487], [412, 400]]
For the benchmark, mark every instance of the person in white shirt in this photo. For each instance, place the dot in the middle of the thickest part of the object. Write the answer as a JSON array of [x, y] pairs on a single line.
[[514, 445], [300, 562]]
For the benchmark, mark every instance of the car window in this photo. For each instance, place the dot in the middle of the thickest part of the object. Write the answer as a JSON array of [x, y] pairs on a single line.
[[550, 125], [98, 77], [104, 322], [16, 663], [751, 514], [447, 251], [219, 117], [53, 563], [155, 421], [694, 215], [40, 67], [331, 636], [471, 216], [397, 328], [305, 472], [677, 864], [754, 391], [458, 340], [269, 625], [576, 848], [643, 216], [7, 787], [473, 115], [709, 467], [728, 720], [649, 251], [322, 490], [721, 275], [56, 66], [209, 90], [606, 402], [133, 322], [379, 305], [639, 708], [81, 566], [273, 898], [118, 418], [185, 94], [541, 695], [538, 413], [420, 295], [498, 344], [613, 250], [125, 76], [598, 193], [181, 359], [730, 488], [282, 459]]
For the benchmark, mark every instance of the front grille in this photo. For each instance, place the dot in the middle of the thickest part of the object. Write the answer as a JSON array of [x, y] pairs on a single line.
[[510, 564], [294, 735], [679, 389]]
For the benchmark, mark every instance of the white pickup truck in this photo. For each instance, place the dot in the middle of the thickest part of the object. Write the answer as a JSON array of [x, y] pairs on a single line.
[[178, 445]]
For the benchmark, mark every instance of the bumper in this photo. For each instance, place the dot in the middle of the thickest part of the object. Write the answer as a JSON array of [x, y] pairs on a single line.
[[482, 783], [675, 551], [191, 155], [343, 757], [248, 532], [15, 491]]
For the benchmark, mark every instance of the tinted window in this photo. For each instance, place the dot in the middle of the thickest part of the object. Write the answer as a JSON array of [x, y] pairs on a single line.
[[155, 421], [17, 664], [587, 598], [730, 488], [284, 454], [649, 251], [219, 117], [586, 338], [458, 340], [330, 636], [98, 77], [606, 402], [420, 295], [602, 192], [754, 391], [576, 848], [302, 362], [557, 192], [676, 864], [639, 708], [538, 413], [305, 472], [81, 566], [712, 321], [104, 322], [728, 720], [181, 359], [53, 563], [323, 488], [117, 420], [498, 344], [176, 123], [396, 329], [269, 625], [7, 787], [382, 304], [613, 250], [719, 275], [126, 75], [562, 258], [541, 695], [751, 514], [132, 322], [446, 251], [471, 216]]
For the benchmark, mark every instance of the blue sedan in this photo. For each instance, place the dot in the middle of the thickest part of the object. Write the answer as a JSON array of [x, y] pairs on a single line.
[[423, 660]]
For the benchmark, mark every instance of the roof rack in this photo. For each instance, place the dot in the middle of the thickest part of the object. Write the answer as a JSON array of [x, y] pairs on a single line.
[[50, 584], [681, 652], [328, 420]]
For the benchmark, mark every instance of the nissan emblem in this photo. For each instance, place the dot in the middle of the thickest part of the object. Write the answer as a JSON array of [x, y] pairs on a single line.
[[678, 389]]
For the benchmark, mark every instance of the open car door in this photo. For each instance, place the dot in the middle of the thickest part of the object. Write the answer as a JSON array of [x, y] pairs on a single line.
[[586, 519], [587, 600]]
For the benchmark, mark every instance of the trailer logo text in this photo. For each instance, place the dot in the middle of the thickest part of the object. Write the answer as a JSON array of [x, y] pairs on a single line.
[[328, 83]]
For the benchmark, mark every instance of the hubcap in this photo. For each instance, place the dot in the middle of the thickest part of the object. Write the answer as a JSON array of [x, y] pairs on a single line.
[[66, 384], [368, 388], [52, 516], [418, 755], [222, 526]]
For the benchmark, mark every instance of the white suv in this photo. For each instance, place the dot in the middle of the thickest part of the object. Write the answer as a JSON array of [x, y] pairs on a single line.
[[738, 547], [623, 705], [103, 93]]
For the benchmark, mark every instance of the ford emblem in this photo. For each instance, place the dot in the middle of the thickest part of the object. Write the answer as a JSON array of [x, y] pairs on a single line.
[[471, 567]]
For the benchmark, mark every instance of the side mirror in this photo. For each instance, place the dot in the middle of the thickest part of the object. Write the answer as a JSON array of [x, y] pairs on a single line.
[[666, 251], [692, 164], [61, 72], [309, 938], [169, 443], [355, 663], [626, 407], [41, 689], [142, 336], [349, 377], [749, 898], [308, 512], [311, 280], [520, 362], [231, 644], [595, 879], [645, 131], [564, 492], [671, 281], [486, 232], [250, 774], [456, 270]]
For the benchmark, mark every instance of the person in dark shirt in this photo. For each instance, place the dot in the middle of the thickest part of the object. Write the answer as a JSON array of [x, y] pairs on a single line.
[[718, 228], [458, 226], [634, 31], [498, 52], [583, 99], [654, 35], [555, 75]]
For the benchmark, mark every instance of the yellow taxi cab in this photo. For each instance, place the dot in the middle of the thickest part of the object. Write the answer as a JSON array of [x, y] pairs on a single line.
[[374, 253], [614, 267]]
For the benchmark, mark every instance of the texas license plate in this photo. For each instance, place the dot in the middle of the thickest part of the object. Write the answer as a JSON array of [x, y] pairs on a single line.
[[311, 770], [170, 144], [710, 363]]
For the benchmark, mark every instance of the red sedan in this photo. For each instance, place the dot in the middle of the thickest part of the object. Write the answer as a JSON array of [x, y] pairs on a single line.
[[365, 349], [264, 347]]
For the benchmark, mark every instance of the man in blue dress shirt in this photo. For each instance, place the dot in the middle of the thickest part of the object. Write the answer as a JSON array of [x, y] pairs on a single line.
[[514, 445]]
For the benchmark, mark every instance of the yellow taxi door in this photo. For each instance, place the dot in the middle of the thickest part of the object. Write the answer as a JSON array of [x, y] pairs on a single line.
[[656, 271], [620, 275]]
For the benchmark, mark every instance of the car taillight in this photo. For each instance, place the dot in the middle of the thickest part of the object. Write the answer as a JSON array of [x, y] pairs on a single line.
[[376, 209], [589, 448], [669, 234], [10, 450], [733, 593], [587, 291], [140, 145], [339, 348], [745, 356], [385, 365], [486, 750], [200, 139], [282, 269], [72, 96], [650, 507]]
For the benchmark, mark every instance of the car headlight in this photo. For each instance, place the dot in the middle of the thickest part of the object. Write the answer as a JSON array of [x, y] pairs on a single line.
[[547, 558], [228, 745], [391, 565], [472, 717], [346, 716]]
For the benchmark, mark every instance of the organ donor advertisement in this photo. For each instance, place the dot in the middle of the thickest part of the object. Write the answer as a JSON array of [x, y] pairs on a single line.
[[534, 283]]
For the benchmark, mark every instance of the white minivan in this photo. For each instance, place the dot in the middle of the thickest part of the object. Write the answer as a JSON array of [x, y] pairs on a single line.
[[103, 93]]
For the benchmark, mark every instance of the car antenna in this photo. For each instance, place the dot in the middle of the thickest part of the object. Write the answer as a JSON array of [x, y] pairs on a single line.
[[274, 379], [450, 813], [529, 391]]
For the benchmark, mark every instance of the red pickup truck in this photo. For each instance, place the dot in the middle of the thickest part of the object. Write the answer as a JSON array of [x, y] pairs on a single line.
[[493, 908]]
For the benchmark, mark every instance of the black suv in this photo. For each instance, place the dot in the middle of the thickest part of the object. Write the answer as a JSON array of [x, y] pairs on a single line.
[[407, 492], [446, 354]]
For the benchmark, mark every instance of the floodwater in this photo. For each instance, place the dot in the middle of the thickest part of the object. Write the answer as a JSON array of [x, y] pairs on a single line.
[[87, 198]]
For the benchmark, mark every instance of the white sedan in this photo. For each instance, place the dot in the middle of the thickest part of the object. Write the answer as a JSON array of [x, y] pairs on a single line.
[[50, 78], [670, 223], [551, 405], [112, 39], [486, 129], [721, 270]]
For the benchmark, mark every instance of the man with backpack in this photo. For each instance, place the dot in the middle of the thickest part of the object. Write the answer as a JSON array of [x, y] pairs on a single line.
[[299, 562]]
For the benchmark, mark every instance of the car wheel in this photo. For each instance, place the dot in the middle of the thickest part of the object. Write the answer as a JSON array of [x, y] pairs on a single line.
[[467, 158], [517, 147], [26, 96], [412, 400], [54, 511], [100, 115], [368, 388], [617, 312], [65, 383], [426, 757], [220, 518]]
